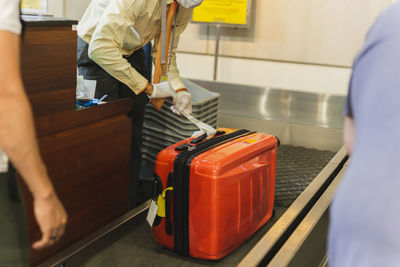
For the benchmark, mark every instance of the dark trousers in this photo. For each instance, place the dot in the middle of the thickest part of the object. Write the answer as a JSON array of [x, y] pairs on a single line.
[[14, 246], [106, 84]]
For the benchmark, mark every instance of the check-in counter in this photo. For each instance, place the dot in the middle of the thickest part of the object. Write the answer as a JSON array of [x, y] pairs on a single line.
[[86, 151]]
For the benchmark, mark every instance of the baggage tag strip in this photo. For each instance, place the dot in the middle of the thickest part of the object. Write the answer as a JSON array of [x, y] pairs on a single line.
[[157, 208], [151, 215]]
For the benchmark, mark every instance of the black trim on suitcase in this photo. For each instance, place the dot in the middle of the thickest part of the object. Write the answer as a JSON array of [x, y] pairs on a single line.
[[168, 223], [199, 139], [181, 177], [202, 137], [278, 141], [158, 186], [158, 189]]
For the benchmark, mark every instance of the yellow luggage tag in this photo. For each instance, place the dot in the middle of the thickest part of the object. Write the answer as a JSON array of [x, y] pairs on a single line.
[[161, 202]]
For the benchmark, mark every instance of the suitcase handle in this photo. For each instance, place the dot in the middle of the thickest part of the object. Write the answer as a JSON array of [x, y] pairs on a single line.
[[201, 138]]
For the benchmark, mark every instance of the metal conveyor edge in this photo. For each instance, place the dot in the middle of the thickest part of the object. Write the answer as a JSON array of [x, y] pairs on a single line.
[[275, 238]]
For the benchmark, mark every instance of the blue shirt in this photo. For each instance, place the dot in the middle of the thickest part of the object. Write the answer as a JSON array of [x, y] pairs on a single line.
[[365, 214]]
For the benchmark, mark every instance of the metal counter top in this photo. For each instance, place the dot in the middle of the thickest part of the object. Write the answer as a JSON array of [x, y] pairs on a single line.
[[38, 20]]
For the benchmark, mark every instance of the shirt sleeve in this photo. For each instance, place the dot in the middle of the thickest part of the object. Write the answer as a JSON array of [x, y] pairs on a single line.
[[347, 110], [10, 16], [105, 44], [373, 95], [184, 17]]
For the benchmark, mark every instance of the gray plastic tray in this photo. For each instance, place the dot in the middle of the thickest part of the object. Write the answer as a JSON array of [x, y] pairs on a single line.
[[153, 145], [170, 123], [149, 154], [162, 113], [164, 128], [164, 141], [201, 97], [149, 135], [195, 109], [180, 133]]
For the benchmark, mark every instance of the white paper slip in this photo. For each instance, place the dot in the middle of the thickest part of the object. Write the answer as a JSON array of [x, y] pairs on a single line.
[[201, 125], [151, 215], [85, 88]]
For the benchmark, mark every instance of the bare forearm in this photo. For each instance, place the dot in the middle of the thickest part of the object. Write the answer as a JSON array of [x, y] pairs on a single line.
[[17, 134], [18, 139]]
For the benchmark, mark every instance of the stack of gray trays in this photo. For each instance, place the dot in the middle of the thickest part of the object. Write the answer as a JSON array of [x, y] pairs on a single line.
[[164, 128]]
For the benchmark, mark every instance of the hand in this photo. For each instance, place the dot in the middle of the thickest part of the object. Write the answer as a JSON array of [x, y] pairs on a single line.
[[163, 90], [183, 102], [348, 133], [51, 217]]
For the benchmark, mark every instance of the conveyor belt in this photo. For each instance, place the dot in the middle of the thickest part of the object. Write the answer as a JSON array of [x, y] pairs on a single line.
[[133, 245], [296, 167], [297, 119]]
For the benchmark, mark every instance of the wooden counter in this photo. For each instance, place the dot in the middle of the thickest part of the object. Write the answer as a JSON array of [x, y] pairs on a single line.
[[48, 65], [87, 151]]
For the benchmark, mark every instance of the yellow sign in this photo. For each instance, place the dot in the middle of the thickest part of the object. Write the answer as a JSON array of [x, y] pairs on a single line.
[[222, 11], [30, 4], [34, 6]]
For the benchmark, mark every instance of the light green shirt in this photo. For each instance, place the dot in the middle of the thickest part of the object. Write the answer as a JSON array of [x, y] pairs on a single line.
[[116, 28]]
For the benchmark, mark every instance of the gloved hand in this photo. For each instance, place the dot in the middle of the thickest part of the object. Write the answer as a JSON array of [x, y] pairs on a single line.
[[163, 90], [183, 102]]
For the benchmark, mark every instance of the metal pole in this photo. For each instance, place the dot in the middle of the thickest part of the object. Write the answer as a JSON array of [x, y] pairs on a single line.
[[217, 51]]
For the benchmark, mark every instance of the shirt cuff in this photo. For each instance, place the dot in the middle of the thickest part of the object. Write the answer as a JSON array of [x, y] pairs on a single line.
[[144, 88], [181, 90], [138, 84]]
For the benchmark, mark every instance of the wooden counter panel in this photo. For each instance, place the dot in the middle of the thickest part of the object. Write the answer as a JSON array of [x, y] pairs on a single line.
[[51, 102], [86, 152], [89, 168], [48, 58], [50, 80], [67, 120]]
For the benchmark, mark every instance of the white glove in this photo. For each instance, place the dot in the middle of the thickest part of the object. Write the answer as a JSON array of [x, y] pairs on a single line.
[[183, 102], [163, 90]]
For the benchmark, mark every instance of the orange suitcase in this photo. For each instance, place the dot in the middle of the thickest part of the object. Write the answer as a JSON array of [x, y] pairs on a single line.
[[217, 192]]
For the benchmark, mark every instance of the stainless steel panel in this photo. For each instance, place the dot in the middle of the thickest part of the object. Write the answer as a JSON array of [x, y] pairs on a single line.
[[321, 110], [301, 119]]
